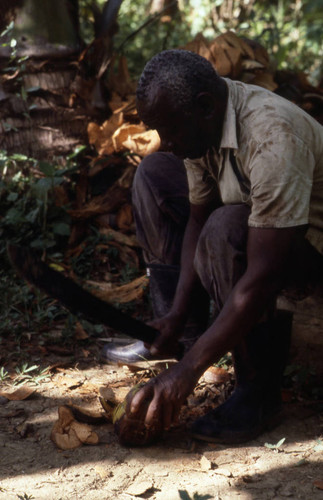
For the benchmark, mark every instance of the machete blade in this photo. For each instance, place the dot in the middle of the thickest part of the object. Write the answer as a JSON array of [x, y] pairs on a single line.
[[76, 299]]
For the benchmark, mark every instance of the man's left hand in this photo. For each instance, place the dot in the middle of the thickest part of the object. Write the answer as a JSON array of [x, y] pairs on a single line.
[[167, 392]]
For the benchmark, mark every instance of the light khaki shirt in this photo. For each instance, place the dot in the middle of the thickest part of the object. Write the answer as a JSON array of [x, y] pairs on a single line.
[[278, 167]]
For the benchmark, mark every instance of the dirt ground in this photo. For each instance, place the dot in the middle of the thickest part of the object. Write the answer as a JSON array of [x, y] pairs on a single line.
[[32, 467]]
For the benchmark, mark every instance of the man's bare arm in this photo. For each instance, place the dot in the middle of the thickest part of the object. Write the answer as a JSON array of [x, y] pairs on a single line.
[[171, 325], [198, 216], [267, 257], [268, 251]]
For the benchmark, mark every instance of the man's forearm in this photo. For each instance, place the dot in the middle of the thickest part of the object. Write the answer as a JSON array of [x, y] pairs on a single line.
[[242, 311], [188, 278]]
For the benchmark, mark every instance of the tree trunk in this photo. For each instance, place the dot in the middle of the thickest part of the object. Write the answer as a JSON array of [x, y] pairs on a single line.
[[47, 94]]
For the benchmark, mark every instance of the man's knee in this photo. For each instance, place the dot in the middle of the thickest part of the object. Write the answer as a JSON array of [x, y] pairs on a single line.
[[158, 169], [228, 225], [220, 257]]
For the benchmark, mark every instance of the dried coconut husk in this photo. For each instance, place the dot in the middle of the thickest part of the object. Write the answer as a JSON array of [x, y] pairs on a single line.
[[131, 430]]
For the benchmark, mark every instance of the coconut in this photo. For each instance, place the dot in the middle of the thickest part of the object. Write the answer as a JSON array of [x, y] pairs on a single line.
[[131, 429]]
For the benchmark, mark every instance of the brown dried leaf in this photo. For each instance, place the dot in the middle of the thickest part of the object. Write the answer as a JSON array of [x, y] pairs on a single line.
[[122, 294], [143, 143], [199, 45], [65, 416], [108, 394], [215, 375], [122, 134], [68, 434], [65, 441], [318, 484], [265, 80], [124, 217], [111, 200], [101, 135], [84, 433], [260, 53], [251, 64], [220, 59], [130, 241], [138, 488], [205, 464], [18, 395], [80, 333], [237, 42]]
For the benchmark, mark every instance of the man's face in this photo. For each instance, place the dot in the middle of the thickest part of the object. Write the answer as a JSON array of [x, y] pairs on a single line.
[[187, 135]]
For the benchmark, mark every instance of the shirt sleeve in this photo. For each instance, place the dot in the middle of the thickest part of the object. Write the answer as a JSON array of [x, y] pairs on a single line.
[[202, 187], [281, 174]]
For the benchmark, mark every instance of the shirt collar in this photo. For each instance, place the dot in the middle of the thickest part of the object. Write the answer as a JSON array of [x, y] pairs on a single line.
[[229, 131]]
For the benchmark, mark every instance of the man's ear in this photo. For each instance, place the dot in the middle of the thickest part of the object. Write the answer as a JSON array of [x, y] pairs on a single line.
[[206, 104]]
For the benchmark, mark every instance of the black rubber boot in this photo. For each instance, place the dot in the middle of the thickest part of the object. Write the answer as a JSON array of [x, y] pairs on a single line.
[[163, 281], [255, 404]]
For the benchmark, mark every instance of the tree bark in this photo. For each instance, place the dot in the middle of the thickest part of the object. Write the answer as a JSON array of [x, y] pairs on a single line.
[[48, 98]]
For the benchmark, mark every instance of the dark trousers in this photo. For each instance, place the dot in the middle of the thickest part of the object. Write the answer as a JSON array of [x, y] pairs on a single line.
[[161, 210]]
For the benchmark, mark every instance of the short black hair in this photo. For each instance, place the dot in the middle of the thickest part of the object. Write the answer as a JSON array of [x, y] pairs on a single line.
[[182, 74]]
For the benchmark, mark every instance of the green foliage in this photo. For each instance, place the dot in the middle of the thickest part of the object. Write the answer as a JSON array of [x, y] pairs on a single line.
[[30, 214], [31, 374], [30, 217], [290, 31], [20, 309], [276, 446], [225, 362], [156, 36], [25, 496], [3, 374]]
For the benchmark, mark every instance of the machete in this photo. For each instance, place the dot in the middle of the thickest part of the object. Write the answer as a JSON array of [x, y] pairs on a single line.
[[77, 300]]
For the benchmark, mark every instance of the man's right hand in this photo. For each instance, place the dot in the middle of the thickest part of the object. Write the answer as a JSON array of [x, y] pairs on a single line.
[[170, 327]]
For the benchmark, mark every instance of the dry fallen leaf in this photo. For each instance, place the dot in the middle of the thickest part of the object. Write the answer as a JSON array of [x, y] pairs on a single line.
[[120, 294], [318, 484], [206, 464], [86, 416], [124, 218], [123, 133], [68, 434], [80, 333], [84, 433], [19, 394], [143, 143], [215, 375], [139, 488], [101, 135]]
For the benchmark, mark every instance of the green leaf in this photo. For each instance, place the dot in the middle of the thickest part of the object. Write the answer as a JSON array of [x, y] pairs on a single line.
[[23, 93], [12, 196], [76, 152], [61, 228], [275, 446], [14, 216], [47, 168], [19, 157]]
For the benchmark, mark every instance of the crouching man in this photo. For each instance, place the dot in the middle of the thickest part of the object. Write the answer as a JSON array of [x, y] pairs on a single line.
[[230, 208]]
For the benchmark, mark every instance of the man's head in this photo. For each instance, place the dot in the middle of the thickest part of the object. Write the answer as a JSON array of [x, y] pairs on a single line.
[[181, 96]]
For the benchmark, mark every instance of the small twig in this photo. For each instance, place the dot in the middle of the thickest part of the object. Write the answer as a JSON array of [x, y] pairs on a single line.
[[154, 18]]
